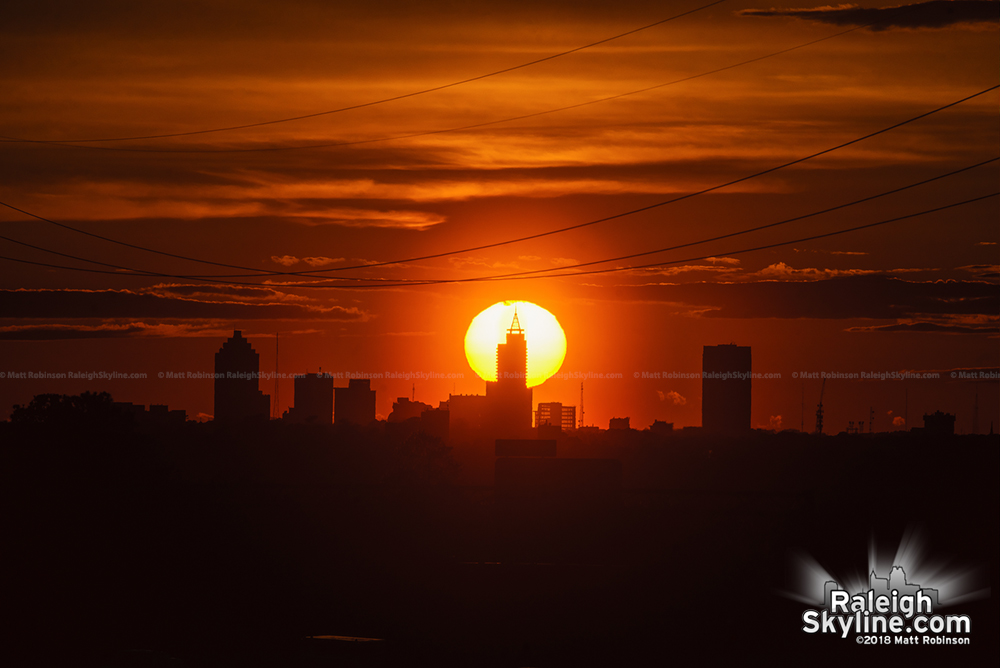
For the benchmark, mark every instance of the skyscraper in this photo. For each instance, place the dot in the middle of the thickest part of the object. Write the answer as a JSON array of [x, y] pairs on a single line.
[[354, 403], [725, 388], [556, 415], [509, 398], [237, 370], [313, 399]]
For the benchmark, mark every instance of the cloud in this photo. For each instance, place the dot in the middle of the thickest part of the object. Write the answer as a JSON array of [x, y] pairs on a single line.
[[285, 260], [688, 268], [564, 261], [898, 421], [982, 270], [986, 243], [773, 424], [118, 304], [675, 397], [925, 326], [471, 261], [406, 220], [932, 14], [58, 332], [321, 261], [870, 296], [224, 293], [782, 271]]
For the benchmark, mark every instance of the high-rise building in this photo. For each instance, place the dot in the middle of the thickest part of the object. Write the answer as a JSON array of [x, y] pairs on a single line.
[[509, 398], [237, 371], [469, 412], [313, 399], [556, 415], [725, 388], [617, 423], [354, 403], [404, 409], [939, 424]]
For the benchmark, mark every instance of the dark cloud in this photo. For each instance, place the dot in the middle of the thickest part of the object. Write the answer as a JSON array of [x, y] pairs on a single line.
[[876, 297], [933, 14], [66, 332], [927, 327], [127, 304], [62, 332]]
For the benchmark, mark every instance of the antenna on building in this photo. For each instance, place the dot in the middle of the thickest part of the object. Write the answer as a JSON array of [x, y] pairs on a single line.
[[581, 403], [819, 408], [871, 418], [802, 419], [906, 407], [413, 395], [975, 412], [515, 325], [274, 409]]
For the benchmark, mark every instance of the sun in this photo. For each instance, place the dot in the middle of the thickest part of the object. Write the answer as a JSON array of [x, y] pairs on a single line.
[[544, 336]]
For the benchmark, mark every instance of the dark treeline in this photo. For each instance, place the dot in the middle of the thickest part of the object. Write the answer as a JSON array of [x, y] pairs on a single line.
[[127, 541]]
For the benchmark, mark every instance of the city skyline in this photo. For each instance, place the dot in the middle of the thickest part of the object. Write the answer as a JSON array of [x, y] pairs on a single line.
[[917, 295]]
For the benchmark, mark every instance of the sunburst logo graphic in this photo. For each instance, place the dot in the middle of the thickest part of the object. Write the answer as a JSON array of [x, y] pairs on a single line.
[[899, 607]]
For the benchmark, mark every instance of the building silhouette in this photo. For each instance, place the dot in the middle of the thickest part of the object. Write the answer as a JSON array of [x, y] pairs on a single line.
[[237, 371], [939, 424], [313, 399], [468, 413], [158, 414], [509, 398], [619, 423], [404, 409], [725, 388], [661, 428], [355, 403], [556, 415]]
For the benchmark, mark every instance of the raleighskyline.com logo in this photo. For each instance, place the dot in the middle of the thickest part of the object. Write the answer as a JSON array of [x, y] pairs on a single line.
[[891, 611]]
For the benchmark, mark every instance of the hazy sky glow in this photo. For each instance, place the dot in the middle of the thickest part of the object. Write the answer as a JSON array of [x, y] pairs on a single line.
[[918, 294]]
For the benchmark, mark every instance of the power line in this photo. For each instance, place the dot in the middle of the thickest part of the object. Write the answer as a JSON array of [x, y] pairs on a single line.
[[395, 97], [428, 133], [603, 261], [673, 262], [501, 277], [320, 273], [753, 229], [774, 245]]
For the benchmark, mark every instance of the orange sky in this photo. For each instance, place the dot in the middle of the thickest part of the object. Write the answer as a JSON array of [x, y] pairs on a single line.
[[919, 294]]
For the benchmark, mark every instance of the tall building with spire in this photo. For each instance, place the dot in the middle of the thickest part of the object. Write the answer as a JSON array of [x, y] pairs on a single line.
[[237, 371], [509, 398]]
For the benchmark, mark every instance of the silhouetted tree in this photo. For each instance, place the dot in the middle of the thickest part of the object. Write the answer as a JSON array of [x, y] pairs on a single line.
[[62, 409]]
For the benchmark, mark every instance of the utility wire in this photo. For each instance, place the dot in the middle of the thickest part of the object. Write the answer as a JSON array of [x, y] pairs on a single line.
[[320, 273], [501, 277], [630, 256], [751, 229], [428, 133], [396, 97]]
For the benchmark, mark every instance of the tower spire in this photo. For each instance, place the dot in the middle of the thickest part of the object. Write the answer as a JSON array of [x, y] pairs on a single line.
[[515, 325]]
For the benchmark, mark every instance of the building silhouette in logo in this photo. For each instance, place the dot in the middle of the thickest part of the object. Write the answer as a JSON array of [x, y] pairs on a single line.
[[237, 371], [725, 388], [355, 403]]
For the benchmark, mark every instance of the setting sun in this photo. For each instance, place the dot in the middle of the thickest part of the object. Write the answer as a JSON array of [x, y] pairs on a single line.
[[545, 339]]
